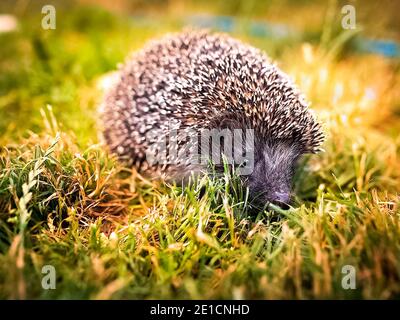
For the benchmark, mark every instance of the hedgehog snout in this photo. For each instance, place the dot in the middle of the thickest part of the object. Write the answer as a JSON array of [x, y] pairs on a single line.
[[266, 187], [281, 199], [271, 179], [266, 192]]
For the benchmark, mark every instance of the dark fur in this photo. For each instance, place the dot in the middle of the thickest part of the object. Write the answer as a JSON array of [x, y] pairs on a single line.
[[275, 161], [271, 180]]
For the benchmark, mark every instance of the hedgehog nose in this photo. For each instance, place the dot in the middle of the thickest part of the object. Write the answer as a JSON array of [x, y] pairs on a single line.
[[281, 199]]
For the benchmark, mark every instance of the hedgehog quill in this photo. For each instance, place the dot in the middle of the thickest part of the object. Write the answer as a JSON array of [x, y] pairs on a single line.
[[195, 82]]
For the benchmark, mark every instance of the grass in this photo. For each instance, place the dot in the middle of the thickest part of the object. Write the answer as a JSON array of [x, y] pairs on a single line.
[[110, 233]]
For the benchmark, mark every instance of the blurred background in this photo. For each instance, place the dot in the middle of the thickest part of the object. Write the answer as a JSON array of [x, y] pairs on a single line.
[[341, 71]]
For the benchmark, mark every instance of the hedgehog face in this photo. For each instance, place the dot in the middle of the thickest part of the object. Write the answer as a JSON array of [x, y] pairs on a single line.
[[271, 179]]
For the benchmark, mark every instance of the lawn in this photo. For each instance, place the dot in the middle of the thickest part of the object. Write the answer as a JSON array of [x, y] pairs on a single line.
[[111, 234]]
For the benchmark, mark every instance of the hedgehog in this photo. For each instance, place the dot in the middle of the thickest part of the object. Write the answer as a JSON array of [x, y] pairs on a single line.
[[179, 86]]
